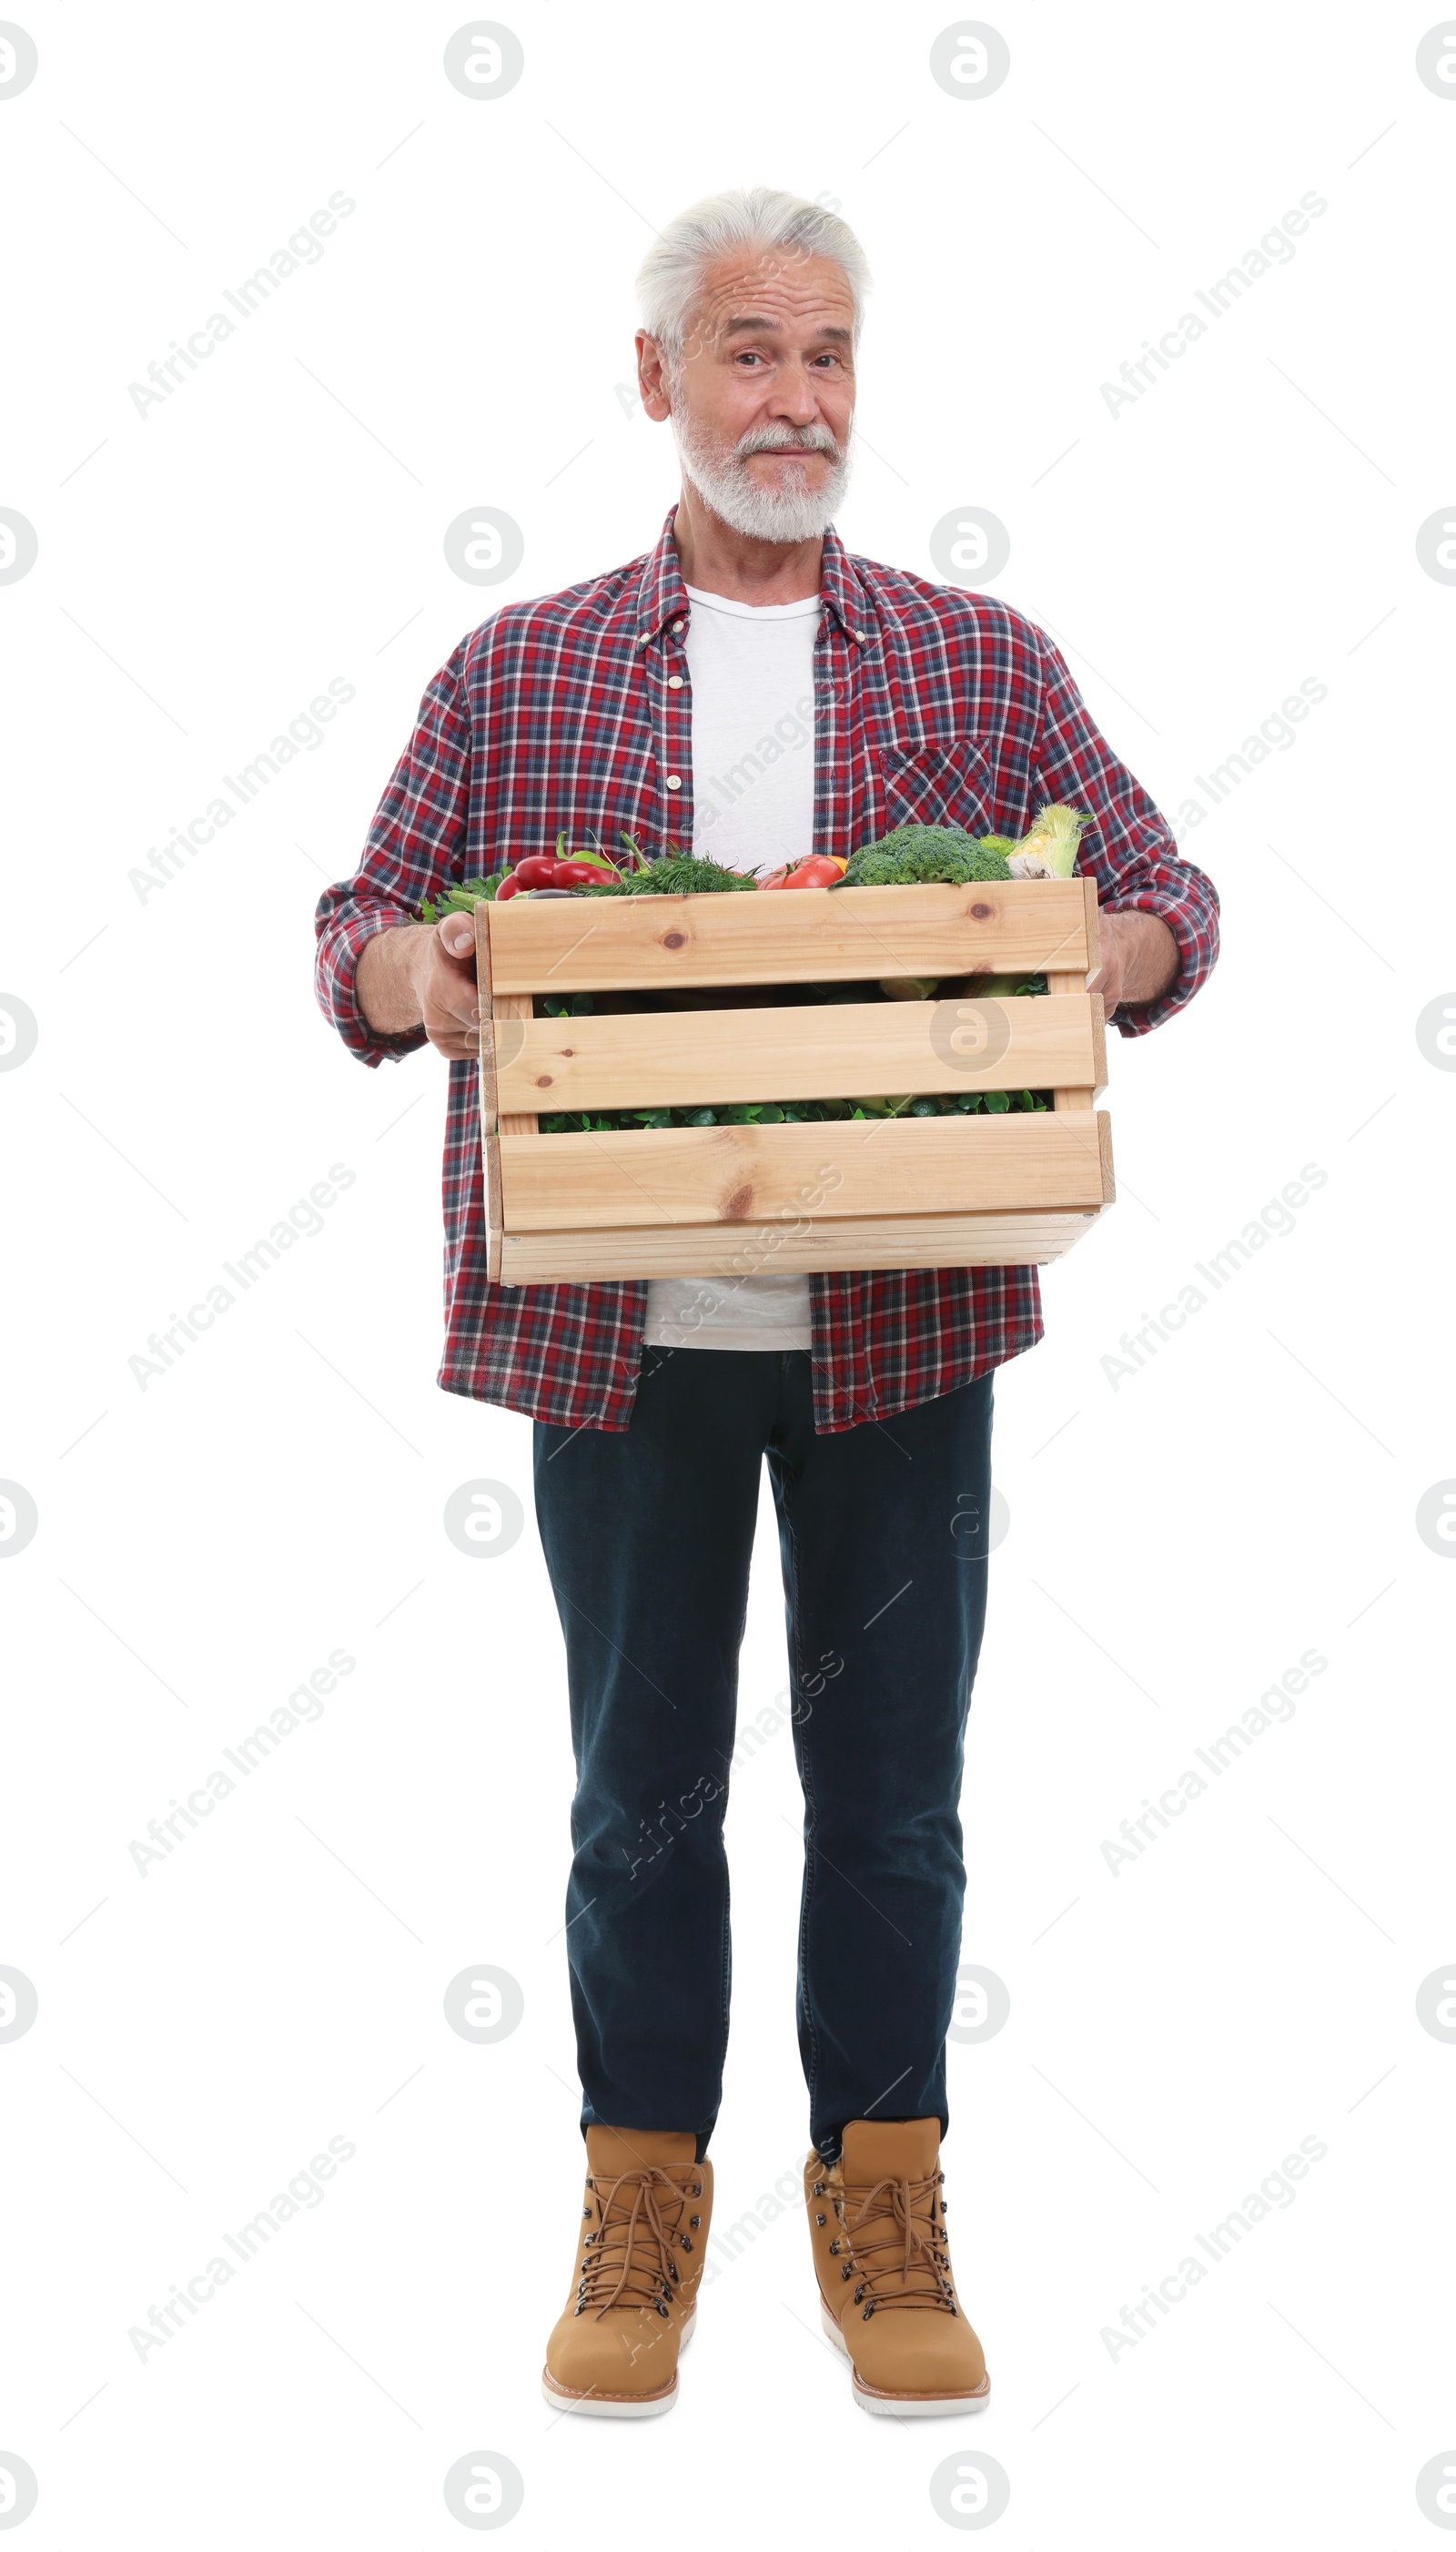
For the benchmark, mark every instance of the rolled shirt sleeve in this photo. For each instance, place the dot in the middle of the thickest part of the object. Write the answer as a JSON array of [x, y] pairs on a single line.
[[415, 847], [1128, 847]]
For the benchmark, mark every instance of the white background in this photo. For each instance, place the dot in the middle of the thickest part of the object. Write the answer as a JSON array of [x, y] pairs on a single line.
[[1175, 1542]]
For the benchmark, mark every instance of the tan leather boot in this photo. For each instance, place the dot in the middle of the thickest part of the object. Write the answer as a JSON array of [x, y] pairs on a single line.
[[644, 2236], [877, 2223]]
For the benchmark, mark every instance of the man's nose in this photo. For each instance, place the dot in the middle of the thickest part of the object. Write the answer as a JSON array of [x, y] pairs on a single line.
[[796, 399]]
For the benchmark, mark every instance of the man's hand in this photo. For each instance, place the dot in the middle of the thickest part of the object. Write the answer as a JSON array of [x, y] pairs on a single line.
[[450, 999], [422, 976], [1139, 959]]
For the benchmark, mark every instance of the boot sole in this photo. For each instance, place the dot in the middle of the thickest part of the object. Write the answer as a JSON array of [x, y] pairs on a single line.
[[902, 2405], [617, 2406]]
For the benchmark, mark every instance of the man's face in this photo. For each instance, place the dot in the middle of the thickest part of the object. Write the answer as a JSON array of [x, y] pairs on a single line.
[[763, 400]]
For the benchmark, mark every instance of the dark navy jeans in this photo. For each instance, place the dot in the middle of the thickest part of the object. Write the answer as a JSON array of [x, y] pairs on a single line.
[[648, 1534]]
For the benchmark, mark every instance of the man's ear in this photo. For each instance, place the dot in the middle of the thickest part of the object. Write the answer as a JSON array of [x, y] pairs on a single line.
[[652, 377]]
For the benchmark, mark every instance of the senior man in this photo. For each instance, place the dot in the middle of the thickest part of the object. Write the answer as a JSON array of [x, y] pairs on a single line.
[[749, 688]]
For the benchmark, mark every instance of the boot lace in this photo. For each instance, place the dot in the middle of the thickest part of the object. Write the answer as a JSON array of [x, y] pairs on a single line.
[[640, 2222], [899, 2246]]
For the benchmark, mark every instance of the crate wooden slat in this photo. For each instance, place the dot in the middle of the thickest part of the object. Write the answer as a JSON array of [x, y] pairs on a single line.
[[511, 1014], [819, 1246], [755, 1173], [953, 1191], [1074, 1093], [710, 1058], [597, 944]]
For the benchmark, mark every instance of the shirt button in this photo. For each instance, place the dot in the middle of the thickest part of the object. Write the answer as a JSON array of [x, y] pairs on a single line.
[[672, 780], [677, 625], [675, 681]]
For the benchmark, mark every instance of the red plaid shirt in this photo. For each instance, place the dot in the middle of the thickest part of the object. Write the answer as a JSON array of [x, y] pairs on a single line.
[[930, 704]]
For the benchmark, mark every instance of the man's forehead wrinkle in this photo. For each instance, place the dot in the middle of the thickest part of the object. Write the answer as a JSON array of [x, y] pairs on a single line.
[[719, 321], [766, 319], [758, 292]]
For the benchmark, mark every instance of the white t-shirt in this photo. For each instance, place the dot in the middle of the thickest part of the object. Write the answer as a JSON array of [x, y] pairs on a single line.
[[751, 667]]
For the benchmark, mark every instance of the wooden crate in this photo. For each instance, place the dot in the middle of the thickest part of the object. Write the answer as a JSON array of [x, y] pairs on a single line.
[[954, 1191]]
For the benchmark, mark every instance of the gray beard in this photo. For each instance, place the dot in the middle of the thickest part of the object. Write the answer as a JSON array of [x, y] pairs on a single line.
[[758, 512]]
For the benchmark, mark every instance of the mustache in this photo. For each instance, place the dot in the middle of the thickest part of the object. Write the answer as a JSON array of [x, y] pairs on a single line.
[[768, 438]]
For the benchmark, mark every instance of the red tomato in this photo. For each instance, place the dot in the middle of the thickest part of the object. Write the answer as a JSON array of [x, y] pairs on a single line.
[[775, 879], [508, 886], [536, 869], [819, 870], [582, 873]]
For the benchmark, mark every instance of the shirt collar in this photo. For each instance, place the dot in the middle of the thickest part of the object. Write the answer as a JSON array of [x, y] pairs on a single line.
[[662, 594]]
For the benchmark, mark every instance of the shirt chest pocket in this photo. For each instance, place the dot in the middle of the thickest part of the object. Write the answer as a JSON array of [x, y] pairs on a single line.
[[937, 784]]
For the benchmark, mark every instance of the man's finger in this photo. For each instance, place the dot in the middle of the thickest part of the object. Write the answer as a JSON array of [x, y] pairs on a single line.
[[457, 1019], [457, 934]]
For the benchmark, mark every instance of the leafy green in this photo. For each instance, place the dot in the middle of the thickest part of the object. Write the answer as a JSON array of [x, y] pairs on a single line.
[[799, 1112], [461, 899], [679, 874], [1005, 988]]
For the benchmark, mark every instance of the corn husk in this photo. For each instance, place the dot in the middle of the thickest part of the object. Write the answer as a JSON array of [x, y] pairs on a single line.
[[1053, 838]]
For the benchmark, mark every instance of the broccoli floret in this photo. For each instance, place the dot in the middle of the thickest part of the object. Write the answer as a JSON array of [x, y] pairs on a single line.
[[872, 868], [926, 855]]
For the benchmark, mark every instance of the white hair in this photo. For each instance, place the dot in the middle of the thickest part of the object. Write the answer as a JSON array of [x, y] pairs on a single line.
[[746, 217]]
